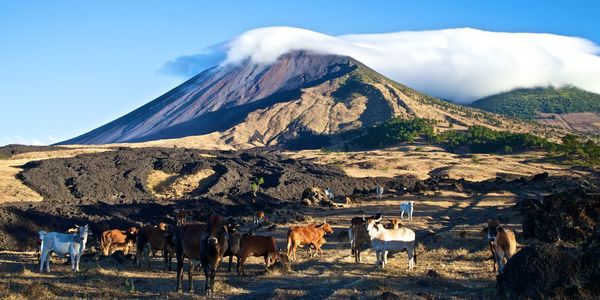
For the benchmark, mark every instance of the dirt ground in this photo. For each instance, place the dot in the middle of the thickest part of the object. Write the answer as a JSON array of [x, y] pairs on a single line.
[[452, 261]]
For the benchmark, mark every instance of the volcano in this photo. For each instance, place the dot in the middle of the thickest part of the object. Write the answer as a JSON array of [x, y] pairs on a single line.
[[302, 93]]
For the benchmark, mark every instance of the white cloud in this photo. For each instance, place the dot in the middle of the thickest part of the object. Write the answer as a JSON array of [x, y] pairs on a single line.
[[459, 64], [17, 139]]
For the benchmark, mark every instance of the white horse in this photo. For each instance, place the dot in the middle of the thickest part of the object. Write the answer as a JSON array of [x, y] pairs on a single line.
[[383, 240], [61, 244]]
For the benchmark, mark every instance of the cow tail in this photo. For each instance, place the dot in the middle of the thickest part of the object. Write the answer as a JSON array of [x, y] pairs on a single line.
[[415, 250]]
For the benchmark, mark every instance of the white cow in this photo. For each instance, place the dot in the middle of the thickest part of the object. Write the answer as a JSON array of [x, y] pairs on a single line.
[[61, 244], [379, 191], [408, 208], [383, 240]]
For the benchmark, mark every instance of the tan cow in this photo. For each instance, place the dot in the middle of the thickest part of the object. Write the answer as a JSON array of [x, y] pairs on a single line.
[[506, 247], [115, 239], [307, 235], [489, 232]]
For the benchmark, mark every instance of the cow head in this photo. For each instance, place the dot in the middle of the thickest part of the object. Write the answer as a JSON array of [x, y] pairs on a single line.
[[395, 223], [372, 223], [83, 232], [132, 230], [232, 226], [162, 226], [491, 229], [272, 257], [217, 230]]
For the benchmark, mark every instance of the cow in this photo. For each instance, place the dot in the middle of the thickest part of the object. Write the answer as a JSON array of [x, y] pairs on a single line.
[[505, 246], [187, 245], [213, 244], [395, 223], [181, 217], [260, 218], [408, 208], [379, 192], [353, 239], [383, 240], [151, 239], [119, 238], [257, 246], [61, 244], [307, 235], [489, 232], [233, 247]]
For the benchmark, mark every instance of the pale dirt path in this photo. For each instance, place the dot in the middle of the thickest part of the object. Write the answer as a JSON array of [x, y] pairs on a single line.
[[455, 252]]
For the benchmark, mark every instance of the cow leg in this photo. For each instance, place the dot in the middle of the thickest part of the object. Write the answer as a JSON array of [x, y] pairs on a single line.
[[191, 276], [241, 261], [207, 278], [212, 278], [43, 258], [267, 262], [385, 254], [402, 214], [230, 262], [179, 256], [411, 261]]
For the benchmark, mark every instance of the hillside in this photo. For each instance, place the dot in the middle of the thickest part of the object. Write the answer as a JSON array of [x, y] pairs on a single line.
[[529, 103], [302, 96]]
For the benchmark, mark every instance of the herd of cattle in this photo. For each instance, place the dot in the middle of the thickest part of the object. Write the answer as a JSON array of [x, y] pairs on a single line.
[[206, 244]]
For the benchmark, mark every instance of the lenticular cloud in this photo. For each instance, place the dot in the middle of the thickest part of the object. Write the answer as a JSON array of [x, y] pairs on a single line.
[[458, 64]]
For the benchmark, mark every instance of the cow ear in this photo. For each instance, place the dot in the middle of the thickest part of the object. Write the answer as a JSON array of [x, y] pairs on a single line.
[[484, 230]]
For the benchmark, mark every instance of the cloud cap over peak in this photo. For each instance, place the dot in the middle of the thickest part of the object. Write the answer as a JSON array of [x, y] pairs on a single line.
[[462, 64]]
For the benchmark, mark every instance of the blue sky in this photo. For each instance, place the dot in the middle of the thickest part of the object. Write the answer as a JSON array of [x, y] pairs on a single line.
[[67, 67]]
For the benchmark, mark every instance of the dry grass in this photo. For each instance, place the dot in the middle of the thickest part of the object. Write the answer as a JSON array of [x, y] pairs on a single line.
[[175, 186], [432, 160]]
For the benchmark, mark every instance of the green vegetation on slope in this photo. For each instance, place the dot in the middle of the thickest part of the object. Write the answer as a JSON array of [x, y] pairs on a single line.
[[527, 103], [477, 139]]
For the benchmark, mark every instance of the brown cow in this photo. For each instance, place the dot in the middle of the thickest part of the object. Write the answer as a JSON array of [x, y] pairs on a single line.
[[151, 239], [187, 245], [489, 232], [213, 244], [307, 235], [257, 246], [506, 247], [395, 223], [118, 237]]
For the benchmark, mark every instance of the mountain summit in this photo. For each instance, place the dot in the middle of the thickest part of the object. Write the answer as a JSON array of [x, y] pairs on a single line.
[[249, 105]]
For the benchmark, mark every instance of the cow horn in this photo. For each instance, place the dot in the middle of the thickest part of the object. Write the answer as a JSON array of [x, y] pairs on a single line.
[[363, 217], [324, 221], [76, 226], [380, 217]]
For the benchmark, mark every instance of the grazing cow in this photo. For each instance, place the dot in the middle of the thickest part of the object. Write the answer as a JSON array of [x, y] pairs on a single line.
[[257, 246], [181, 217], [187, 245], [151, 239], [407, 207], [120, 238], [490, 232], [233, 247], [307, 235], [213, 244], [506, 247], [61, 244], [379, 192], [383, 240]]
